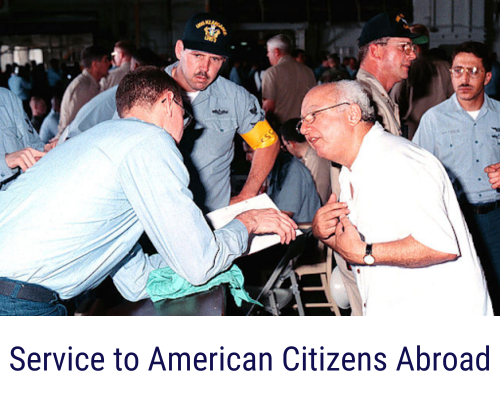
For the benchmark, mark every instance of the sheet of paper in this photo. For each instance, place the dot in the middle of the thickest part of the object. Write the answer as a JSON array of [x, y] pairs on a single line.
[[223, 216]]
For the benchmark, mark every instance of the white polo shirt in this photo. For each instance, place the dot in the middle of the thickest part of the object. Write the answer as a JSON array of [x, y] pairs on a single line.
[[399, 189]]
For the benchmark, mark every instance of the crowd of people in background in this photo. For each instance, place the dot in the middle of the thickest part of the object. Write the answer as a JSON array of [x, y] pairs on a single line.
[[396, 70]]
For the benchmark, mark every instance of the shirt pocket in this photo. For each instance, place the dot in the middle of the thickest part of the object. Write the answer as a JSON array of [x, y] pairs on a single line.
[[218, 136], [492, 143], [454, 152]]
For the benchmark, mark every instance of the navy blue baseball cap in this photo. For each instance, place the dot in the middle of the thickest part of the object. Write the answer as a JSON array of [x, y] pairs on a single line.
[[207, 32], [384, 25]]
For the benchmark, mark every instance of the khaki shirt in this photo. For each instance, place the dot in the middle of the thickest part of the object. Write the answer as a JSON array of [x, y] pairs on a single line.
[[81, 90], [115, 76], [387, 110], [287, 83]]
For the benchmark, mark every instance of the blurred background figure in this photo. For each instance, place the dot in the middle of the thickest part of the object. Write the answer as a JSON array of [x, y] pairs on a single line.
[[122, 56], [492, 89], [296, 144], [20, 85], [334, 72], [428, 84], [290, 186], [300, 56], [318, 71], [48, 130], [38, 111], [55, 76]]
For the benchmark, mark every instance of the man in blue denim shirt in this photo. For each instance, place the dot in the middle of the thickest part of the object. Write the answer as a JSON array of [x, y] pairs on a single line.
[[221, 109], [463, 132], [20, 146], [121, 178]]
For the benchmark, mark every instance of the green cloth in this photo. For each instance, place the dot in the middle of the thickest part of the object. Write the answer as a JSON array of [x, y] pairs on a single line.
[[164, 283]]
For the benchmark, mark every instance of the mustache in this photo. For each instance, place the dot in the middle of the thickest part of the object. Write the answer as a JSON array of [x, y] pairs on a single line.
[[202, 74], [465, 86]]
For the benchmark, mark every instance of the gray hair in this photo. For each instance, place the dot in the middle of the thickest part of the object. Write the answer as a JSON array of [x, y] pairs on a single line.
[[363, 50], [352, 92], [282, 42]]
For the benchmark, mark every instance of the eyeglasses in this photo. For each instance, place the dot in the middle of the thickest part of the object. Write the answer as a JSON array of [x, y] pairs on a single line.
[[407, 48], [188, 117], [311, 117], [474, 72]]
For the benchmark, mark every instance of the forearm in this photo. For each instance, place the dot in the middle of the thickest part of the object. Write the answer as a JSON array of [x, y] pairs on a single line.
[[407, 253]]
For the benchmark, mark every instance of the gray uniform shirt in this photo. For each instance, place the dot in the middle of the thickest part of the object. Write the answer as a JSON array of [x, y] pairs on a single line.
[[220, 111]]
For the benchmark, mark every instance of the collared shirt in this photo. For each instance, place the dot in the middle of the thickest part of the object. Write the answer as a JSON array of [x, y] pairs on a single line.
[[101, 108], [287, 83], [79, 92], [115, 76], [387, 110], [464, 145], [121, 178], [16, 133], [415, 197], [48, 130], [220, 111]]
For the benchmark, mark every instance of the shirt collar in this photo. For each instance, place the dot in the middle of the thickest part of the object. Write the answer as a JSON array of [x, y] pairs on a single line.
[[375, 131], [487, 105], [365, 76]]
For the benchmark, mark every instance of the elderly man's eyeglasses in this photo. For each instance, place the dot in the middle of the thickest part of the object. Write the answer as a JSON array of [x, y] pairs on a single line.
[[407, 48], [474, 72], [310, 117], [188, 117]]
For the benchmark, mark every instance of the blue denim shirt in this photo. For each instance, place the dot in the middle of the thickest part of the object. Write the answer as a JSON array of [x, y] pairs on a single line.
[[220, 111], [465, 146], [76, 216], [16, 133]]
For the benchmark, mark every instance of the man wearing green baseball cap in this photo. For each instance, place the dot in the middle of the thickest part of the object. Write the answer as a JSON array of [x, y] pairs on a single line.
[[386, 51]]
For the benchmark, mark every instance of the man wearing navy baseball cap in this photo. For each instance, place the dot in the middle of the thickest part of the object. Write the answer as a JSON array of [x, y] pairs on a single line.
[[386, 51], [221, 109]]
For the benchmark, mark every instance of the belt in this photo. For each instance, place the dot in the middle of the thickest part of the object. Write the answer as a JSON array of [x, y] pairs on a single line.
[[28, 291], [485, 208]]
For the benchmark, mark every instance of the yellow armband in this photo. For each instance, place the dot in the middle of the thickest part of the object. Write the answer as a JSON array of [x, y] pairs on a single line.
[[261, 136]]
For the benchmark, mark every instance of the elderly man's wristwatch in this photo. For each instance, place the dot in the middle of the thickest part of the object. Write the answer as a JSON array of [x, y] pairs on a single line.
[[368, 258]]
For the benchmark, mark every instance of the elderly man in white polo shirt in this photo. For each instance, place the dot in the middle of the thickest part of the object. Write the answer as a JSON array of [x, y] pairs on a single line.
[[399, 224]]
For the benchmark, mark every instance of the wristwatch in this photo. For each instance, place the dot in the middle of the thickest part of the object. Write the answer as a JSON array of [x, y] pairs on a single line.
[[368, 258]]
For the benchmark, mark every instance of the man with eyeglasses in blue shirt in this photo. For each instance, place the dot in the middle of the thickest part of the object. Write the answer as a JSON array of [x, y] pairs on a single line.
[[463, 132]]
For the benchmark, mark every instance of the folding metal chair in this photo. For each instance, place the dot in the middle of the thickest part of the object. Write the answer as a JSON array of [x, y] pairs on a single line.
[[272, 294]]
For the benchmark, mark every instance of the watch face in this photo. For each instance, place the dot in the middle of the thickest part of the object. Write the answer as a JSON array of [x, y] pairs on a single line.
[[368, 259]]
